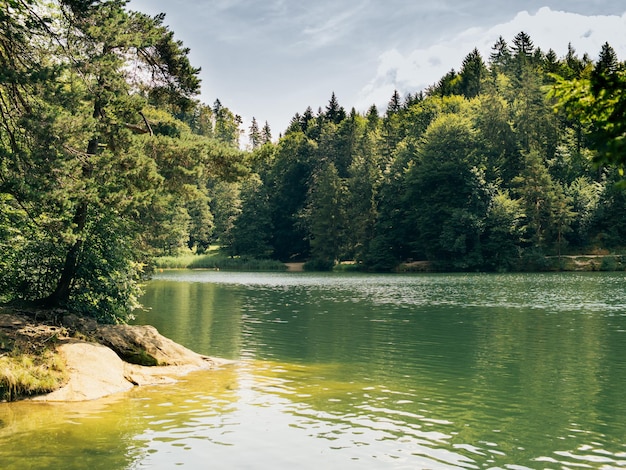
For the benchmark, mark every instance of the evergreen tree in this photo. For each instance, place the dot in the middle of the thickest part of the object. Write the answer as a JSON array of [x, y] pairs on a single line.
[[523, 46], [548, 211], [307, 118], [373, 118], [288, 181], [574, 66], [226, 205], [266, 134], [551, 63], [325, 217], [85, 160], [252, 229], [200, 120], [448, 195], [500, 57], [227, 125], [446, 86], [95, 172], [598, 102], [503, 232], [604, 73], [364, 179], [473, 72], [334, 112], [200, 224], [395, 104], [255, 134]]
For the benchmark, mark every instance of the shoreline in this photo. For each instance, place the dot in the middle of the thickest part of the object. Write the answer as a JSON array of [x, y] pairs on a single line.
[[96, 371], [98, 360]]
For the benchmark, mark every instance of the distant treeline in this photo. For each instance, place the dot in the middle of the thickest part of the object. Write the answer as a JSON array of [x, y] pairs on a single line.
[[491, 168]]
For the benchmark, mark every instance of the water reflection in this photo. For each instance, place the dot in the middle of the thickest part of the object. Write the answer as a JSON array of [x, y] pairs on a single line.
[[345, 371]]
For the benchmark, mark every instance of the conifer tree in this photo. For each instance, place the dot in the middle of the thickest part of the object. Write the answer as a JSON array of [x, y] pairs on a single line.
[[334, 112], [500, 57], [85, 155], [266, 134], [395, 103], [473, 72], [255, 134], [325, 215]]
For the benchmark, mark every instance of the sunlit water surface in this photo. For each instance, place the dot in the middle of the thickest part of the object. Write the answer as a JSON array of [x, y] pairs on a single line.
[[360, 371]]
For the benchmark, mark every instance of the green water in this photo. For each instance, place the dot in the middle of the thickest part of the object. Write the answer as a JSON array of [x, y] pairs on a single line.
[[360, 371]]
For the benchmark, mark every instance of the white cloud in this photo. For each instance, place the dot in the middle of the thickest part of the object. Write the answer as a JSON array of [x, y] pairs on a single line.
[[548, 29]]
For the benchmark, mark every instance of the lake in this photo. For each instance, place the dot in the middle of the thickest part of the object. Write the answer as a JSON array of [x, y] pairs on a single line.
[[356, 371]]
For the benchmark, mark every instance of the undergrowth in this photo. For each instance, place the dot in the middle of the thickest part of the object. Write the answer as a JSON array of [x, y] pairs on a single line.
[[29, 375], [218, 262]]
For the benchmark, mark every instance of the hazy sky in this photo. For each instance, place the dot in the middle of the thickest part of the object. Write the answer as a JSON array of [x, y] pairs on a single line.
[[270, 59]]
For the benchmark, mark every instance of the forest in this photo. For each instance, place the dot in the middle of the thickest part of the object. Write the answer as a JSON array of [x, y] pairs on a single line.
[[492, 168], [108, 159]]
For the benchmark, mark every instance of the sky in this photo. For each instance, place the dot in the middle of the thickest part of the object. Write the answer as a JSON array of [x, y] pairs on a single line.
[[270, 59]]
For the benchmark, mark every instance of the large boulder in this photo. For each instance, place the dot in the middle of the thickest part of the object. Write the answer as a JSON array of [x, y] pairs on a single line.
[[143, 345], [94, 372]]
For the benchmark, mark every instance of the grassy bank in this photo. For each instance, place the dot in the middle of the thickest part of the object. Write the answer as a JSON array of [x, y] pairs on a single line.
[[27, 375], [587, 263], [217, 261], [29, 363]]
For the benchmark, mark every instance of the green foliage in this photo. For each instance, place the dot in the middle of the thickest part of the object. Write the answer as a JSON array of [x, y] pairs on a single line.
[[325, 215], [479, 172], [447, 194], [597, 99], [252, 230], [218, 262], [96, 172], [100, 169]]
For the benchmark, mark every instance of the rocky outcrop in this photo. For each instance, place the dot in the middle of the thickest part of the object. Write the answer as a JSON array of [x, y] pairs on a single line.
[[143, 345], [96, 371], [100, 359]]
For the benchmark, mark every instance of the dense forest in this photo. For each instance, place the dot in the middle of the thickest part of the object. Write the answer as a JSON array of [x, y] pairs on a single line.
[[492, 168], [107, 159]]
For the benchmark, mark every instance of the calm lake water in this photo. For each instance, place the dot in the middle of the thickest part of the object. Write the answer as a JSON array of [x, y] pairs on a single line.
[[345, 371]]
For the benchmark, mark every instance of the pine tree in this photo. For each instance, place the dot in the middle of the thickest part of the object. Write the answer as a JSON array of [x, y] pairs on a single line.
[[603, 75], [395, 103], [307, 118], [81, 154], [227, 125], [334, 112], [266, 134], [574, 65], [255, 134], [523, 46], [326, 216], [501, 56], [473, 72], [373, 118]]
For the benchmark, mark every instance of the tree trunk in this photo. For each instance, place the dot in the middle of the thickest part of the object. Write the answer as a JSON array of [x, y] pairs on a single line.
[[61, 294]]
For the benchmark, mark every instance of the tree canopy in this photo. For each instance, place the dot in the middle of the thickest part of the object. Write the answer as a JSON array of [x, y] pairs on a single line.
[[494, 167], [92, 159]]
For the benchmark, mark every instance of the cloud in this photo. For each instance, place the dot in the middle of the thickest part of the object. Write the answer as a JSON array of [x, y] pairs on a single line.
[[413, 71]]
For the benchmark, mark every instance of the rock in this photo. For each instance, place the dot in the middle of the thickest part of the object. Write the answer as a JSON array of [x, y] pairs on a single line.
[[84, 325], [105, 359], [94, 372], [143, 345]]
